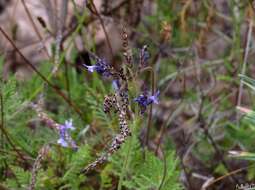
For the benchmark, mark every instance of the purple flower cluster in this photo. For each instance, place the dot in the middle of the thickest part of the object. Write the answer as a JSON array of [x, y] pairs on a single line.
[[144, 100], [65, 139], [101, 67]]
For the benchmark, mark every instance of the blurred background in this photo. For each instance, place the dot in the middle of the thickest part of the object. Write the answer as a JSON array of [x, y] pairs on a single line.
[[202, 52]]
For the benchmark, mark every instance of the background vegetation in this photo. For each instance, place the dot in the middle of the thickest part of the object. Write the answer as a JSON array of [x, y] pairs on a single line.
[[199, 56]]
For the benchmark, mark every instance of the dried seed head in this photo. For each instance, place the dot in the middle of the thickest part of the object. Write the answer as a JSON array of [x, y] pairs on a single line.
[[109, 103]]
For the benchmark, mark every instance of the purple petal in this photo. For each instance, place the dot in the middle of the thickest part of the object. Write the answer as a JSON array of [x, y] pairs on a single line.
[[90, 68], [154, 98], [62, 142], [69, 124], [115, 84], [62, 131]]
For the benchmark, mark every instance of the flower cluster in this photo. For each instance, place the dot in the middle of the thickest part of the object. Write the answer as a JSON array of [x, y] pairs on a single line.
[[119, 101], [65, 139], [101, 67], [144, 100]]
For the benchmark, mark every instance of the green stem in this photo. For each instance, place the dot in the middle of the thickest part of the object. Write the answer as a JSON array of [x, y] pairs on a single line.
[[127, 159]]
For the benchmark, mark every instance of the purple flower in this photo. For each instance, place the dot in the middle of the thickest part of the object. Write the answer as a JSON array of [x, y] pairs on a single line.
[[144, 100], [69, 124], [62, 142], [154, 98], [65, 139], [101, 67], [116, 84]]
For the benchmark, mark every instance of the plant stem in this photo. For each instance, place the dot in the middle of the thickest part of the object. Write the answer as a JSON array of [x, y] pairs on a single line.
[[103, 26], [126, 161], [60, 93], [150, 69], [246, 52], [35, 27], [164, 171]]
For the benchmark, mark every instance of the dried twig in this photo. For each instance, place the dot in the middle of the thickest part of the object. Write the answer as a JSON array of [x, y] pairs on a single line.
[[37, 164], [119, 103], [4, 132], [103, 26], [59, 35], [246, 53], [45, 118]]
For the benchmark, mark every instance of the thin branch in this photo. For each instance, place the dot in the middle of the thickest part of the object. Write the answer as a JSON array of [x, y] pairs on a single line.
[[37, 165], [103, 26], [61, 26], [187, 174], [164, 171], [2, 114], [229, 174], [92, 19], [163, 127], [4, 131], [150, 69], [55, 88], [202, 124], [34, 27], [246, 53], [59, 35]]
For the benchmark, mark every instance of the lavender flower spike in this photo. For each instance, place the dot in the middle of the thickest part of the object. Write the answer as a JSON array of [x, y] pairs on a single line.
[[65, 139]]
